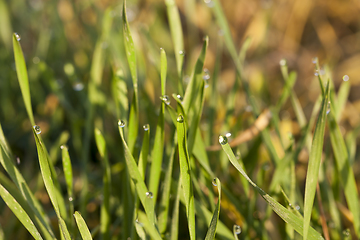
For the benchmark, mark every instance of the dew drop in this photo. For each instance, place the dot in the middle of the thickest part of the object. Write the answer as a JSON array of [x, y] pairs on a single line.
[[37, 129], [223, 140], [181, 52], [18, 38], [165, 99], [345, 78], [346, 232], [297, 207], [71, 199], [237, 229], [214, 182], [316, 74], [206, 75], [314, 60], [149, 194], [282, 62], [209, 3], [180, 118], [63, 146], [146, 127], [18, 160], [328, 108], [78, 86], [228, 135], [179, 97], [121, 123]]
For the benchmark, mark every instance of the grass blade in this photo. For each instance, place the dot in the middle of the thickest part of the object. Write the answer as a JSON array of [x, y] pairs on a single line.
[[214, 221], [158, 149], [19, 212], [105, 218], [314, 163], [131, 57], [142, 191], [22, 77], [186, 182], [280, 210], [84, 230]]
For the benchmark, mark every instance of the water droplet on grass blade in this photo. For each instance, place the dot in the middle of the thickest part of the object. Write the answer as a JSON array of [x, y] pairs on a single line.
[[214, 182], [314, 60], [345, 78], [17, 36], [149, 194], [37, 129], [71, 199], [223, 140], [316, 74], [282, 62], [165, 99], [121, 123], [328, 108], [146, 127], [180, 118], [78, 86], [228, 135], [179, 97], [181, 52], [237, 229]]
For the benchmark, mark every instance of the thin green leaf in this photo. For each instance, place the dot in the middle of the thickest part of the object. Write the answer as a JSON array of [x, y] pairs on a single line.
[[142, 191], [84, 230], [186, 182], [158, 149], [342, 95], [214, 221], [143, 159], [119, 92], [23, 77], [280, 210], [175, 213], [19, 212], [105, 218], [314, 163]]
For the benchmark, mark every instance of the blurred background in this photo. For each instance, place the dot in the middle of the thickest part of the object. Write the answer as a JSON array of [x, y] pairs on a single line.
[[59, 37]]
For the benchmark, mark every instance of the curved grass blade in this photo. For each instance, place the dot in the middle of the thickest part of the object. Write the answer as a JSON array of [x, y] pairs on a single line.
[[314, 163], [176, 35], [105, 218], [67, 167], [18, 179], [23, 77], [186, 183], [84, 230], [193, 87], [19, 212], [214, 221], [280, 210], [131, 58], [158, 149], [142, 191]]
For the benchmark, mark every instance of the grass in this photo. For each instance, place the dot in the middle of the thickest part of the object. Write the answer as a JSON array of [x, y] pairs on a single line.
[[137, 149]]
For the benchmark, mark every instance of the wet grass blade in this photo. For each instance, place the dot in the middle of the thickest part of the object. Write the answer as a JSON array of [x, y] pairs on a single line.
[[23, 77], [214, 221], [176, 34], [84, 230], [186, 182], [314, 163], [158, 149], [193, 87], [280, 210], [19, 212], [131, 57], [142, 191], [143, 159], [68, 173], [105, 215]]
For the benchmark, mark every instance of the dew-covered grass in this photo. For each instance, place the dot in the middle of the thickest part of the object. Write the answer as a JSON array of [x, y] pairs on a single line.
[[171, 120]]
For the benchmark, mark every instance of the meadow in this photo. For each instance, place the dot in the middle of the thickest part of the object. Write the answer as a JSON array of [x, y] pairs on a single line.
[[179, 119]]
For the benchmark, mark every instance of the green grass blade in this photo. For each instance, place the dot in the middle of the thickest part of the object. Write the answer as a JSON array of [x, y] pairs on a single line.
[[186, 182], [143, 159], [6, 29], [119, 92], [105, 215], [314, 163], [142, 191], [175, 213], [68, 173], [19, 212], [176, 34], [23, 77], [131, 57], [193, 87], [280, 210], [346, 173], [84, 230], [158, 149], [342, 95], [214, 221], [18, 179]]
